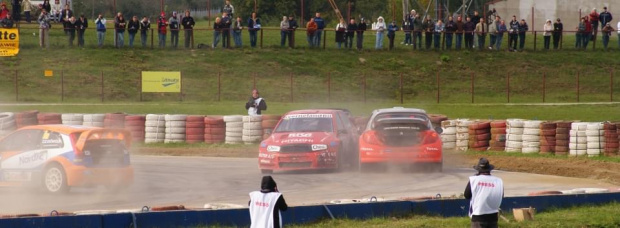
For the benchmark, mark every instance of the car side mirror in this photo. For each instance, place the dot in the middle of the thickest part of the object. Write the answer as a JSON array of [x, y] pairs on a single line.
[[439, 130]]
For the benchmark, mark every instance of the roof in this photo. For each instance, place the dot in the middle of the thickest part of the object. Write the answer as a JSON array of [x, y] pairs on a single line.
[[313, 111], [65, 129], [399, 109]]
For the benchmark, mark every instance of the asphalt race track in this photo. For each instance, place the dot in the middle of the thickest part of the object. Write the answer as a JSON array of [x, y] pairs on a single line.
[[195, 181]]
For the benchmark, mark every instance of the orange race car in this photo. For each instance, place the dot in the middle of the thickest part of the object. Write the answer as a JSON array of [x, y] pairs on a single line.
[[403, 136], [58, 157]]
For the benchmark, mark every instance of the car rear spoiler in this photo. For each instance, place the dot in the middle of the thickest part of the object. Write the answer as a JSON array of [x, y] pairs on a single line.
[[411, 123], [97, 134]]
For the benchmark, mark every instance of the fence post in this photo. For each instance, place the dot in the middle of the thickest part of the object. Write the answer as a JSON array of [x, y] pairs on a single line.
[[62, 85], [535, 39], [508, 87], [181, 88], [329, 87], [261, 38], [472, 87], [16, 87], [140, 88], [152, 38], [291, 76], [401, 88], [438, 87], [561, 40], [364, 87], [577, 86], [544, 82], [102, 94], [219, 86], [611, 85]]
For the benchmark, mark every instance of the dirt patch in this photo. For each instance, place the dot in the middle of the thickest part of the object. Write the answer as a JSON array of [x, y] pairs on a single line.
[[205, 152]]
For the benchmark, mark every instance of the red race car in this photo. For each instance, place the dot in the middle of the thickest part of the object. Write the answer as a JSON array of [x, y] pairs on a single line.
[[403, 136], [310, 139]]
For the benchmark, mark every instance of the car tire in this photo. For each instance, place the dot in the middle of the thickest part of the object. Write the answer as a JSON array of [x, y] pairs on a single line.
[[55, 180], [266, 171]]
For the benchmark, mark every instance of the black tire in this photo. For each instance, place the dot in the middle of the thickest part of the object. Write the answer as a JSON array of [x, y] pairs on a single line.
[[266, 171], [55, 180]]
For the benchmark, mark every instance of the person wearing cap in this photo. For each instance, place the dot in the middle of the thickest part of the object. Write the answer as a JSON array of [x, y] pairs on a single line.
[[292, 27], [255, 104], [188, 28], [607, 30], [266, 205], [7, 21], [392, 28], [161, 29], [547, 29], [173, 22], [485, 193], [380, 27], [558, 27], [100, 25]]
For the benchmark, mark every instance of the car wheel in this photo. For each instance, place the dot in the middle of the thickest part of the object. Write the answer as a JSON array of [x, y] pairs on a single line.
[[55, 179], [266, 171]]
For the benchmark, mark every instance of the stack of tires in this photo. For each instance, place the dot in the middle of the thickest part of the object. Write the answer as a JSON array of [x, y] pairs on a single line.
[[514, 135], [26, 118], [72, 119], [547, 137], [595, 135], [562, 137], [479, 135], [448, 136], [114, 120], [7, 123], [498, 135], [268, 123], [462, 134], [234, 129], [578, 143], [135, 124], [195, 129], [49, 118], [215, 130], [252, 129], [175, 128], [436, 119], [611, 139], [155, 128], [93, 120], [531, 136]]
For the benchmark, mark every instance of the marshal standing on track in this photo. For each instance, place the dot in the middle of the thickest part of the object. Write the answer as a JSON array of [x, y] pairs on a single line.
[[266, 204], [485, 193], [256, 104]]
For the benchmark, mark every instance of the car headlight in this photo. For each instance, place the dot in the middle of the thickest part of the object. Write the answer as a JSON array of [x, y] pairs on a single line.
[[273, 148], [316, 147]]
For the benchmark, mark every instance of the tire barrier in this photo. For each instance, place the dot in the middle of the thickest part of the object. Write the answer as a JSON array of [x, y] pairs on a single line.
[[93, 120], [7, 123], [252, 129], [195, 129], [514, 135], [175, 128], [562, 138], [114, 120], [215, 129], [545, 193], [578, 141], [611, 139], [72, 119], [234, 129], [498, 135], [479, 135], [448, 136], [462, 134], [136, 125], [168, 208], [26, 118], [547, 137], [155, 128], [436, 119], [49, 118], [268, 123], [531, 136]]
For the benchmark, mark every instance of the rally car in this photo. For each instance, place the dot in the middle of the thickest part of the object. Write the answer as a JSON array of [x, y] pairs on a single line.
[[310, 139], [402, 136], [58, 157]]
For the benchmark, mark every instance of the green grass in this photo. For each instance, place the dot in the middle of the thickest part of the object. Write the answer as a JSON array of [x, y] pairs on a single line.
[[538, 155]]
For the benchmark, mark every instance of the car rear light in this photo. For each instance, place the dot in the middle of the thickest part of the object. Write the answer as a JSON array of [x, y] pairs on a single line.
[[370, 137], [429, 137], [78, 153]]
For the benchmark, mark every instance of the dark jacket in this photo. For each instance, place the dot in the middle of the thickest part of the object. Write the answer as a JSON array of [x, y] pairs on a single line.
[[6, 23], [558, 28], [261, 106], [119, 24], [173, 22], [469, 27], [71, 27], [351, 28], [188, 22], [361, 27], [392, 29], [428, 26], [320, 23], [251, 24], [417, 25], [292, 24], [451, 27], [133, 27], [218, 26], [475, 19], [407, 26], [64, 14], [523, 28], [514, 27], [269, 185], [145, 26], [605, 17], [82, 25]]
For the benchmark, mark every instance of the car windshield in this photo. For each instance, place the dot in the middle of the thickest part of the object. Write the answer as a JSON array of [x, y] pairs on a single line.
[[306, 123], [410, 115]]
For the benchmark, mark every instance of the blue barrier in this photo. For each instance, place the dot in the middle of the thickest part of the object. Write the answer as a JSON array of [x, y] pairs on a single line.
[[301, 214]]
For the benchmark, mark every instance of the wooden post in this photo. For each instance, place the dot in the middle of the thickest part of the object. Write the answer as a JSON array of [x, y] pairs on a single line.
[[255, 7], [208, 13], [329, 87], [472, 87], [16, 87], [508, 87], [533, 22], [401, 88], [544, 82], [611, 85], [291, 76], [534, 40], [152, 39], [324, 38], [254, 79], [302, 15], [577, 86], [219, 86], [161, 6], [438, 87], [102, 86], [62, 85], [261, 38]]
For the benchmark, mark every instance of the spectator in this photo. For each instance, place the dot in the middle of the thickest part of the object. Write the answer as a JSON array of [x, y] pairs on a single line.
[[428, 28], [501, 29], [485, 193], [588, 34], [65, 15], [481, 33], [547, 30], [173, 22], [351, 28], [145, 26], [341, 32], [228, 9], [593, 20], [82, 25], [3, 11], [188, 28], [607, 30], [266, 204], [605, 17], [16, 4], [310, 30], [320, 24], [237, 28], [493, 26], [292, 27], [226, 23], [361, 27], [283, 30], [514, 34], [459, 32], [70, 28], [417, 32], [27, 7], [47, 6], [120, 24], [217, 31], [100, 24], [132, 27], [439, 29], [380, 26], [392, 28], [469, 28], [44, 25], [7, 21], [161, 29], [558, 27], [255, 104], [523, 28], [476, 20], [56, 10], [253, 26], [618, 29], [580, 34], [450, 30], [407, 28]]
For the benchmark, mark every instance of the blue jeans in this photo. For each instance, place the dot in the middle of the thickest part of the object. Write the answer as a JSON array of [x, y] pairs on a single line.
[[408, 38], [448, 40], [578, 40], [132, 36], [143, 38], [586, 39], [310, 39], [498, 41], [459, 40], [521, 40], [162, 40], [283, 35], [174, 38], [237, 38], [120, 42], [253, 38], [437, 38], [349, 42], [339, 45], [360, 40], [216, 38], [100, 38], [481, 39], [379, 41], [317, 37], [605, 40], [225, 38], [493, 38]]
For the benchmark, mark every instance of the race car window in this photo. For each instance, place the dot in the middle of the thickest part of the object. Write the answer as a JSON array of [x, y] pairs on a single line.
[[339, 123], [346, 121], [51, 140], [296, 123], [399, 115], [21, 141]]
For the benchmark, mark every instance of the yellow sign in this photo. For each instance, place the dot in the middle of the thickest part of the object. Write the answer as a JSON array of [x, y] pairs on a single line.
[[49, 73], [161, 82], [9, 41]]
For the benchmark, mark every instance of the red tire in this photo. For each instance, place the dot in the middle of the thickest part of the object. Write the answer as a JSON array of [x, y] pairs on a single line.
[[612, 145], [479, 144], [561, 142], [271, 117], [550, 132], [610, 126], [562, 130], [214, 137], [115, 116], [195, 125], [135, 123], [497, 148], [498, 137], [195, 118], [561, 149], [479, 148], [480, 137], [562, 136], [498, 124], [480, 125], [563, 124], [194, 137], [498, 130], [215, 131], [547, 149], [135, 128], [478, 131], [194, 131], [497, 144], [548, 126], [135, 118], [214, 121]]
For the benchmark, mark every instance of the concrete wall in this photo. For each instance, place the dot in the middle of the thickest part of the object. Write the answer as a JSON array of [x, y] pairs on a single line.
[[566, 10]]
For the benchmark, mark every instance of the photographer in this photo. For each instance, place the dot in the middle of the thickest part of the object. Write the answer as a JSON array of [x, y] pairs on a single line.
[[256, 104], [100, 24], [266, 204]]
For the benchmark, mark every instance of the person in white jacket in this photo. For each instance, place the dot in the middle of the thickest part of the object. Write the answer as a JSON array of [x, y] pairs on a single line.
[[380, 27], [266, 204], [618, 34], [547, 31], [56, 10], [485, 193]]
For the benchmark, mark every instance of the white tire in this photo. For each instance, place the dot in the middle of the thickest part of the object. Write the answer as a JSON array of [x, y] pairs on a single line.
[[449, 131], [150, 135], [252, 126], [147, 140], [174, 140], [514, 123], [234, 124], [462, 143], [160, 124], [530, 138], [233, 118], [532, 124], [71, 117], [448, 145], [530, 150], [155, 117], [513, 150], [155, 129], [462, 136], [8, 125], [580, 126], [594, 151], [175, 130], [573, 146], [594, 126], [175, 136], [463, 122], [514, 144], [462, 130], [234, 129], [595, 132], [514, 131], [578, 139], [448, 138], [233, 139], [180, 118], [252, 132], [595, 139], [72, 122], [252, 138], [514, 137], [173, 124], [462, 148], [595, 145], [94, 117], [448, 123], [530, 144], [574, 133], [252, 119], [531, 131], [234, 134]]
